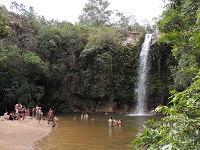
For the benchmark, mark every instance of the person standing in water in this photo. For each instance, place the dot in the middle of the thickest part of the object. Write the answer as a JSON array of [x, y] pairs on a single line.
[[119, 122], [50, 117], [110, 121]]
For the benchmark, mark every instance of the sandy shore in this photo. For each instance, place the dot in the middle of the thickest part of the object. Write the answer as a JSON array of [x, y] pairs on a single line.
[[21, 135]]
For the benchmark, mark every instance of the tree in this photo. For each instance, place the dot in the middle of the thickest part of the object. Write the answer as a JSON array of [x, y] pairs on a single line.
[[122, 21], [95, 13], [3, 29], [24, 29], [180, 25]]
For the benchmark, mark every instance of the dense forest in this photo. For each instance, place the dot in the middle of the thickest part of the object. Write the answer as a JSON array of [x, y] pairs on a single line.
[[70, 67], [85, 67]]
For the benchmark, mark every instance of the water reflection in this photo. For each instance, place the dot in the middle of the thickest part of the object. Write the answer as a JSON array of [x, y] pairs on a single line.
[[85, 134], [110, 134]]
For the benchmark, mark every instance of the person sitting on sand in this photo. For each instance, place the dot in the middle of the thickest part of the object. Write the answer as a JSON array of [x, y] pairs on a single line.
[[6, 116], [27, 112], [12, 116]]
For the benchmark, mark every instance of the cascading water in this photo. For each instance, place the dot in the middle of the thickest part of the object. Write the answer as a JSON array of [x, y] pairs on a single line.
[[140, 90]]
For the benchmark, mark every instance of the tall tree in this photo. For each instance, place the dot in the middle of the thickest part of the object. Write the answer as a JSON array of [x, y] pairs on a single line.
[[95, 13], [122, 21]]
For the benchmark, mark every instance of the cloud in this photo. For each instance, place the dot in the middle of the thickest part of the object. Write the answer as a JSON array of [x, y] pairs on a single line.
[[69, 10]]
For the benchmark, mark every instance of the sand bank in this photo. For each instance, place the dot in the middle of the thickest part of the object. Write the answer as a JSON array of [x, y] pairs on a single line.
[[21, 135]]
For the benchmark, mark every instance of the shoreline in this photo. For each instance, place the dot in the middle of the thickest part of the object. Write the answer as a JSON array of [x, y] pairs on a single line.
[[22, 135]]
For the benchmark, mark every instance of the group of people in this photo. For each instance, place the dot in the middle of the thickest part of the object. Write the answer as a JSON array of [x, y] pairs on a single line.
[[84, 116], [111, 121], [114, 122], [36, 113], [8, 116], [21, 112], [18, 113]]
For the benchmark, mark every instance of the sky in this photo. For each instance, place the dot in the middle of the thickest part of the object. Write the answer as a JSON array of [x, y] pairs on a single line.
[[69, 10]]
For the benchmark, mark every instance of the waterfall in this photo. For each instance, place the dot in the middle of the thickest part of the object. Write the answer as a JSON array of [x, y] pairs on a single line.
[[140, 90]]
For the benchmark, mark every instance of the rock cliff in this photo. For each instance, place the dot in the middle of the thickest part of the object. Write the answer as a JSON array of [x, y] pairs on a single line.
[[132, 38]]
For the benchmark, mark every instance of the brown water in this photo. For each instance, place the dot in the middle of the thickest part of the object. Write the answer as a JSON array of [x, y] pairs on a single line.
[[82, 134]]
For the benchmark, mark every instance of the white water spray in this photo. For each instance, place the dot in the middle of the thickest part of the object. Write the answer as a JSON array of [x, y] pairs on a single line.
[[140, 90]]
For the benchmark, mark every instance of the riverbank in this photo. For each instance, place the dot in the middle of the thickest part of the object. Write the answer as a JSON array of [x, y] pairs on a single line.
[[22, 135]]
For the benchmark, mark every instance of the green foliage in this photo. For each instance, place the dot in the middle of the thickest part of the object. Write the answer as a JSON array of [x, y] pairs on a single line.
[[180, 25], [31, 58], [3, 56], [160, 76], [180, 128], [19, 74], [107, 67], [171, 22], [179, 16], [95, 13], [3, 29], [184, 73], [136, 27]]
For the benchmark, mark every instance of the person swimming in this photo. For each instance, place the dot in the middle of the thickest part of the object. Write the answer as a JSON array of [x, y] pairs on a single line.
[[74, 117], [92, 119], [119, 122]]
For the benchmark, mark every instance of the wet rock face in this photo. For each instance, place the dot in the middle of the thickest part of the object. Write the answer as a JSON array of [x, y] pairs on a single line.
[[131, 39], [156, 34]]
